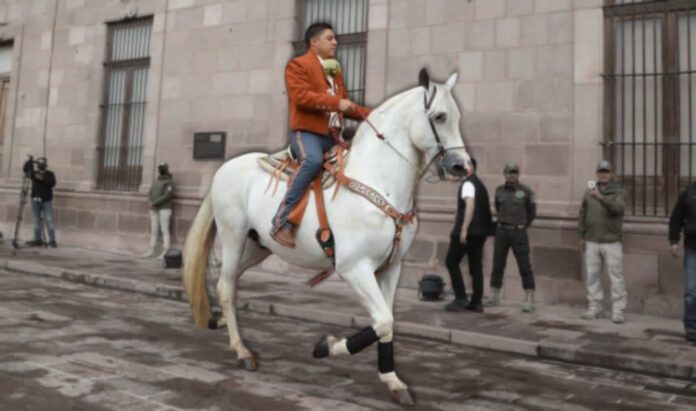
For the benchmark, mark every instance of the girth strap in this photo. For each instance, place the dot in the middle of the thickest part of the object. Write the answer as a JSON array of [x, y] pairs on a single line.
[[368, 192], [400, 219], [324, 234]]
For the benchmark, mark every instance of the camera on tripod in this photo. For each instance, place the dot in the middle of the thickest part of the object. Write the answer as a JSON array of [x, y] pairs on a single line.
[[32, 166], [29, 165]]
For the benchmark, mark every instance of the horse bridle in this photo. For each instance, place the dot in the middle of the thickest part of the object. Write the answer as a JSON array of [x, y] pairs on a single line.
[[441, 150], [440, 156]]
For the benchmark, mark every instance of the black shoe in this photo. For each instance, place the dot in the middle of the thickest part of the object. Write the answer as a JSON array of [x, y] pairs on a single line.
[[477, 308], [691, 337], [457, 305], [53, 244]]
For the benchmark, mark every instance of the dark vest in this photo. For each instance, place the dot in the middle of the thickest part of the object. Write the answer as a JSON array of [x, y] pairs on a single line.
[[481, 221]]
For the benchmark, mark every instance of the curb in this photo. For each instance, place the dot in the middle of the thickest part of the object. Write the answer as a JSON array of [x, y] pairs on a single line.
[[577, 354], [546, 349]]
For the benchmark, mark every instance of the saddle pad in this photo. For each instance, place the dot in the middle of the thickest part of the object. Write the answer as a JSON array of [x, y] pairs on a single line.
[[284, 160]]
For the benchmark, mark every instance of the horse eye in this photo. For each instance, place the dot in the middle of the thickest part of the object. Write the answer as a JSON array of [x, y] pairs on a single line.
[[440, 117]]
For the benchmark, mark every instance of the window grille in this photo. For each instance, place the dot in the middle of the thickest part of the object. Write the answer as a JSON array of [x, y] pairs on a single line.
[[120, 150], [649, 129], [349, 20]]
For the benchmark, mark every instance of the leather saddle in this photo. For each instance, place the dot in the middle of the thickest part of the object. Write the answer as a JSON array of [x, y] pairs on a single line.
[[282, 166]]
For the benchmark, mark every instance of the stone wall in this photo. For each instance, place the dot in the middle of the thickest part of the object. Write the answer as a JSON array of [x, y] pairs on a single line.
[[529, 89]]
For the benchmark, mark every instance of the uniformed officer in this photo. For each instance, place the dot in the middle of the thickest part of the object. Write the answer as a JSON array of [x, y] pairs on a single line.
[[516, 210]]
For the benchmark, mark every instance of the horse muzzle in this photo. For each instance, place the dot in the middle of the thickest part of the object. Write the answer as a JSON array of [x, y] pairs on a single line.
[[455, 164]]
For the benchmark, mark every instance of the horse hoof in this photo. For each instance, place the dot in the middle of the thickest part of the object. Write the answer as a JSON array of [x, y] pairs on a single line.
[[402, 397], [321, 350], [248, 364]]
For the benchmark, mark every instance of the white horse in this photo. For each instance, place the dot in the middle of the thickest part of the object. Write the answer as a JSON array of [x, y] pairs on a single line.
[[419, 125]]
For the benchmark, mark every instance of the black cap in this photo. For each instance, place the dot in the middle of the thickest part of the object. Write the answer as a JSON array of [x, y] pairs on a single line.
[[511, 167], [604, 165]]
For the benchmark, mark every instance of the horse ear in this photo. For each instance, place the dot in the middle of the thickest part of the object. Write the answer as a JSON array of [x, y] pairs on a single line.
[[424, 78], [451, 81]]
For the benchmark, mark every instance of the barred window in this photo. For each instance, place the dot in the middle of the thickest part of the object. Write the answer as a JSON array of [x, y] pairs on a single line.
[[650, 58], [349, 20], [123, 106]]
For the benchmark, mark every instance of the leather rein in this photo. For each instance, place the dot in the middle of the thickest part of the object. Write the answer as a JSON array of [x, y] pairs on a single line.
[[441, 172], [399, 219]]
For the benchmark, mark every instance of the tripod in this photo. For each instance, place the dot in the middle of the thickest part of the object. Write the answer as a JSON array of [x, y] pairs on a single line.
[[26, 183]]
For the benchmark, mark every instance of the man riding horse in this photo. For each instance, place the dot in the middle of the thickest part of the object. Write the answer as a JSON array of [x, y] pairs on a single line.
[[318, 101]]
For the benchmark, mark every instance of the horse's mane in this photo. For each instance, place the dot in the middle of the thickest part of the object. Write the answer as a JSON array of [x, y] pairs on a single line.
[[394, 100], [387, 106]]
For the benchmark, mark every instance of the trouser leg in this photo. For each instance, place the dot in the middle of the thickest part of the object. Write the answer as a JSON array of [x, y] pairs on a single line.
[[690, 290], [48, 219], [309, 149], [500, 251], [36, 213], [454, 257], [474, 252], [520, 247], [164, 219], [593, 265], [614, 258], [154, 229]]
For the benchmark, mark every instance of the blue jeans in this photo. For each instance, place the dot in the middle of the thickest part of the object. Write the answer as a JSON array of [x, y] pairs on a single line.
[[38, 206], [690, 290], [308, 148]]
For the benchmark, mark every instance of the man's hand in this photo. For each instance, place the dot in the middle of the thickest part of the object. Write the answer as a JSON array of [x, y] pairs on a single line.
[[583, 245], [462, 235], [675, 250], [345, 105], [39, 176], [595, 194]]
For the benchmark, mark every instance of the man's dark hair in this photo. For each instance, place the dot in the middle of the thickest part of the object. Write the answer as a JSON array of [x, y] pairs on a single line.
[[314, 30], [473, 163]]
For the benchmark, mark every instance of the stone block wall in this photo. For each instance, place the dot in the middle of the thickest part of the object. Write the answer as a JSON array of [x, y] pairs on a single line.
[[529, 89]]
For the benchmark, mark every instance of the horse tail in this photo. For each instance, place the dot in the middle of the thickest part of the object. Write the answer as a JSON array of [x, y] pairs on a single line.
[[199, 241]]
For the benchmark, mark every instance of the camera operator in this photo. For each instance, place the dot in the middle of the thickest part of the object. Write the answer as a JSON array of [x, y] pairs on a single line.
[[42, 182]]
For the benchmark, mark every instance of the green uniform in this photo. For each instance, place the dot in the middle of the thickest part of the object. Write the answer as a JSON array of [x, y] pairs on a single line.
[[516, 211], [162, 192], [600, 220]]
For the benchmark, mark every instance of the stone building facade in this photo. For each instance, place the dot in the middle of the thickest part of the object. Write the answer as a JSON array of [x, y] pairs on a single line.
[[530, 88]]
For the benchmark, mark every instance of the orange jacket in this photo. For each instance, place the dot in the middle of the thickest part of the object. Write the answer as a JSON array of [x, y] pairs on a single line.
[[308, 97]]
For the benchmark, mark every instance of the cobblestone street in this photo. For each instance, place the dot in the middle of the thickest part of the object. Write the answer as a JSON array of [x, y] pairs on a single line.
[[69, 346]]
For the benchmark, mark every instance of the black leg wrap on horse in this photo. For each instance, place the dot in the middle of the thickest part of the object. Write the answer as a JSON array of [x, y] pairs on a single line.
[[385, 356], [362, 339]]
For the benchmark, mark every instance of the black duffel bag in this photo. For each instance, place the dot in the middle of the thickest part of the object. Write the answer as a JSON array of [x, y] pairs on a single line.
[[172, 258], [431, 287]]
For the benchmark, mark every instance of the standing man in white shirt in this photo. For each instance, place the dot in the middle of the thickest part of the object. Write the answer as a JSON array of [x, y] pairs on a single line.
[[472, 225]]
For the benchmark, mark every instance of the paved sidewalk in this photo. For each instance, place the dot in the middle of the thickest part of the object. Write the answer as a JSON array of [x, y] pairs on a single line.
[[643, 344]]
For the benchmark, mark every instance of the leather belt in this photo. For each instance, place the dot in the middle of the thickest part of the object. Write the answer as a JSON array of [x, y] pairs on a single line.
[[512, 226]]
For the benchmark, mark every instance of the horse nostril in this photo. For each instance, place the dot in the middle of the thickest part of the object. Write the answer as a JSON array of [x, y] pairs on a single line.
[[459, 169]]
